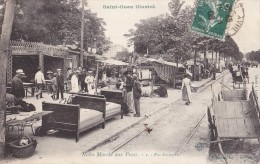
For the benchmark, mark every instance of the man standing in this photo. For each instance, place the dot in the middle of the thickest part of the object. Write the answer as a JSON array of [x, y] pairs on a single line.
[[60, 83], [39, 81], [137, 92], [82, 77], [17, 88]]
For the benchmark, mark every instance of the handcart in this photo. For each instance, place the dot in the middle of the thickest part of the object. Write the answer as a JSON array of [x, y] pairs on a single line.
[[234, 118]]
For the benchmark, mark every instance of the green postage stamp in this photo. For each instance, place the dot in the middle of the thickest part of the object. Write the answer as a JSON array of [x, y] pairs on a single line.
[[212, 17]]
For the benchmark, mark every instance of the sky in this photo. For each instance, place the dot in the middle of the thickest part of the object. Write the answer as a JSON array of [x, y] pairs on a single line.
[[119, 21]]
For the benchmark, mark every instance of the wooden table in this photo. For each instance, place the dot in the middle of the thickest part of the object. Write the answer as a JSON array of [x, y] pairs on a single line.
[[27, 86], [24, 119]]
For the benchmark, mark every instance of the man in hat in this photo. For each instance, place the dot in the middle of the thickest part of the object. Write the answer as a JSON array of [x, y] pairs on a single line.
[[75, 82], [17, 88], [137, 92], [60, 83], [39, 81]]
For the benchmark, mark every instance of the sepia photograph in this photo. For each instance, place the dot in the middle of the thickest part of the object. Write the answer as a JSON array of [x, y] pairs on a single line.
[[129, 81]]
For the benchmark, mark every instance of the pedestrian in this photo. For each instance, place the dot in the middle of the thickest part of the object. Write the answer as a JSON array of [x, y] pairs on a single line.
[[68, 78], [60, 84], [17, 88], [186, 89], [54, 86], [74, 82], [214, 72], [39, 81], [89, 80], [124, 103], [137, 92], [129, 89], [82, 76]]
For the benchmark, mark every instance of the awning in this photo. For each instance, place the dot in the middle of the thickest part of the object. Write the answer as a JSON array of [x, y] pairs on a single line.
[[113, 62]]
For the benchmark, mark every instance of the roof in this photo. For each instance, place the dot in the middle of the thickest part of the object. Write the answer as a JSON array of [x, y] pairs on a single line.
[[161, 61], [113, 62]]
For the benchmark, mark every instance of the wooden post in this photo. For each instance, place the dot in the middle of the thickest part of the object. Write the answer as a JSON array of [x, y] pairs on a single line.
[[82, 33], [4, 48], [151, 94], [195, 62], [96, 81]]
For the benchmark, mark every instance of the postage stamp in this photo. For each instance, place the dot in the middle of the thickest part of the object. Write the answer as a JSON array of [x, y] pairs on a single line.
[[211, 18]]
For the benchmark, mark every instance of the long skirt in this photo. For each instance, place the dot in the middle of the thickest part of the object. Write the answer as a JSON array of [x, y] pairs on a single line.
[[186, 94], [130, 101]]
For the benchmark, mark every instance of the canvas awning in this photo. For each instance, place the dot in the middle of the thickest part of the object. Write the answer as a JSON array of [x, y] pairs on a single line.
[[161, 61], [113, 62]]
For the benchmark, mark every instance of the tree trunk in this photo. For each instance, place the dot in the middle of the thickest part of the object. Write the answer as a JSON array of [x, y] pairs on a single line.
[[212, 56], [216, 56], [4, 49]]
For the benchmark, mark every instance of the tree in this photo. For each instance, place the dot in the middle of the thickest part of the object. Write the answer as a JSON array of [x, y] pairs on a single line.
[[57, 21], [4, 46]]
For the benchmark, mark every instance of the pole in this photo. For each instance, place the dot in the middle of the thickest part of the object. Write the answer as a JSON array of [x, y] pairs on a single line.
[[195, 62], [4, 46], [96, 81], [82, 33]]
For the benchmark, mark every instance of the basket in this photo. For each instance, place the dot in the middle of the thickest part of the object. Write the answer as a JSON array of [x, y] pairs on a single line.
[[23, 151]]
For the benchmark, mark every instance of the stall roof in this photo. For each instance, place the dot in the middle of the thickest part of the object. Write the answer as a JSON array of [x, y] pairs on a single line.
[[113, 62], [161, 61]]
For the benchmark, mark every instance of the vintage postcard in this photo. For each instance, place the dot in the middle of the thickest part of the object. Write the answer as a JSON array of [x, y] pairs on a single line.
[[129, 81]]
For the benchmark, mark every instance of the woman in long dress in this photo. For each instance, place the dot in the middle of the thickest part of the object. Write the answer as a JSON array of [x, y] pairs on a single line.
[[186, 90], [75, 82], [90, 81]]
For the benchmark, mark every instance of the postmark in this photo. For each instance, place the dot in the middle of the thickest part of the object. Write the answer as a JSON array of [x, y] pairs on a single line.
[[236, 18], [212, 16]]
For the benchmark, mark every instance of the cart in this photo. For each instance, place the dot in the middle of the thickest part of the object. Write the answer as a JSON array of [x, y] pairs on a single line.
[[238, 80], [233, 119]]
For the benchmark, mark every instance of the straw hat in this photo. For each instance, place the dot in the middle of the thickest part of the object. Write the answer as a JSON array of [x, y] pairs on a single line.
[[49, 72], [19, 71]]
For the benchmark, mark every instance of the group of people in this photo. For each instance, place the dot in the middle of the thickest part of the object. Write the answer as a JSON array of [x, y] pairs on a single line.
[[80, 80], [132, 93], [240, 70], [57, 83]]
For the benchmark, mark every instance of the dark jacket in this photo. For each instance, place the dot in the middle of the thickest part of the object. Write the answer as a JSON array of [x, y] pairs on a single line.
[[17, 88], [129, 84], [137, 91], [60, 80]]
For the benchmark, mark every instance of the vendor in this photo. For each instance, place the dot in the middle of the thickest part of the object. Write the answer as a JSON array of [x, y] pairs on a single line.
[[17, 88], [112, 80]]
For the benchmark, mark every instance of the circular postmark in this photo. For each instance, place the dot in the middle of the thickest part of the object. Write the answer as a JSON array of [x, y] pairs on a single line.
[[236, 18]]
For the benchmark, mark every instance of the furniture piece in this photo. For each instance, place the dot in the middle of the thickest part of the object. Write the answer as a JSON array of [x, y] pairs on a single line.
[[28, 86], [114, 99], [24, 119], [84, 113]]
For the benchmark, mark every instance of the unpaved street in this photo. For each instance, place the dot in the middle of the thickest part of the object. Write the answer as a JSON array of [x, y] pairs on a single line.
[[170, 133]]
